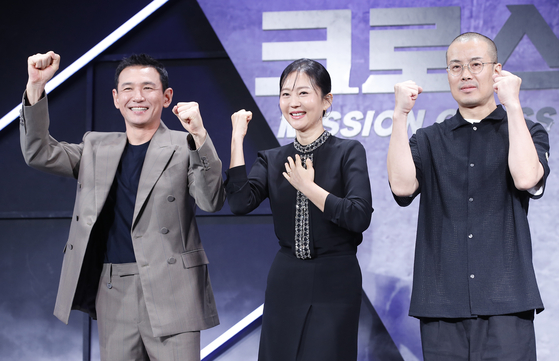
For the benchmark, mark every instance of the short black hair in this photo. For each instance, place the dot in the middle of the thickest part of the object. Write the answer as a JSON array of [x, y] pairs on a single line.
[[143, 60]]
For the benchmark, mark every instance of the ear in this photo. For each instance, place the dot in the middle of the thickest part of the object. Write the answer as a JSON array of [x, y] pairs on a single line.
[[115, 98], [168, 95], [327, 101], [498, 68]]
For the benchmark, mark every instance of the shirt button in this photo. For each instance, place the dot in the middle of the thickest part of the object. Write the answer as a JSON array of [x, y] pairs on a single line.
[[470, 236], [472, 276], [475, 128], [471, 165], [471, 199], [164, 230]]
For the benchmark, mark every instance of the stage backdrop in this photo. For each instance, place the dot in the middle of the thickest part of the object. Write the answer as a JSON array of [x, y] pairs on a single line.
[[368, 46]]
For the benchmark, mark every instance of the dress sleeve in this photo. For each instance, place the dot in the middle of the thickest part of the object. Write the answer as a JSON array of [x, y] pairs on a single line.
[[354, 210], [244, 193]]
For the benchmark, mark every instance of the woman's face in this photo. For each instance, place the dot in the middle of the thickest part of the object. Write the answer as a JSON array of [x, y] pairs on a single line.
[[301, 104]]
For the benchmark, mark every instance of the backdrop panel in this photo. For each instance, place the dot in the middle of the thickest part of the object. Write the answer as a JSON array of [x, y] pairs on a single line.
[[368, 46]]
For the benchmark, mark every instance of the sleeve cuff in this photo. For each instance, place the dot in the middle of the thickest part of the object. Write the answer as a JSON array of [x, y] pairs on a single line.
[[236, 178], [205, 156]]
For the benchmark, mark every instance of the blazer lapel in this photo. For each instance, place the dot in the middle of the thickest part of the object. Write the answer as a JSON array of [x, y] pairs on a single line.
[[107, 159], [158, 156]]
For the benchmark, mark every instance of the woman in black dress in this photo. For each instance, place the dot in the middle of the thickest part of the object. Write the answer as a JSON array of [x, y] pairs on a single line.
[[321, 203]]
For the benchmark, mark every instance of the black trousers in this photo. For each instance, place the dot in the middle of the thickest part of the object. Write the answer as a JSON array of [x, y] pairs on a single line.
[[485, 338]]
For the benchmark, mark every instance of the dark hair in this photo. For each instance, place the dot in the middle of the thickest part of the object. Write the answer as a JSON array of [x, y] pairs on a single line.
[[317, 74], [470, 36], [143, 60]]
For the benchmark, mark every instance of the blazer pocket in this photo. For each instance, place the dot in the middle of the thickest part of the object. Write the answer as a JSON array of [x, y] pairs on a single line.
[[194, 258]]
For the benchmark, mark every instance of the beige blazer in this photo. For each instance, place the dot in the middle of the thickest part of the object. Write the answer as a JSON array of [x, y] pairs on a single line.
[[170, 257]]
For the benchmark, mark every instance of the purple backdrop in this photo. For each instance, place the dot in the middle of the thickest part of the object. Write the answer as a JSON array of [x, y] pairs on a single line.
[[367, 47]]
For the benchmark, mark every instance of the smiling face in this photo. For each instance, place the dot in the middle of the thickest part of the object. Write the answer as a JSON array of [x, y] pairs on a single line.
[[140, 97], [473, 92], [302, 105]]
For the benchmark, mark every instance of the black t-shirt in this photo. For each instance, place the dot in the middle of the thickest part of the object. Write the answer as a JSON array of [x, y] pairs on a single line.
[[115, 220]]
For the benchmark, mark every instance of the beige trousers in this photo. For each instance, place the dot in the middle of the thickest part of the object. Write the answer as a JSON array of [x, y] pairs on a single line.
[[124, 328]]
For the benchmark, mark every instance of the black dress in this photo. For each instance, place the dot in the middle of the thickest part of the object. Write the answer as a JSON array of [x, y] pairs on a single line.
[[311, 308]]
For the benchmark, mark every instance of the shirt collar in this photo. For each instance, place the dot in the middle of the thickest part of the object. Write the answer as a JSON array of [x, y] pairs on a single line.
[[458, 121]]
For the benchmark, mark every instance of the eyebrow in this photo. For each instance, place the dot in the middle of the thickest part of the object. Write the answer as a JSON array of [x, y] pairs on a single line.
[[471, 59], [298, 88], [144, 83]]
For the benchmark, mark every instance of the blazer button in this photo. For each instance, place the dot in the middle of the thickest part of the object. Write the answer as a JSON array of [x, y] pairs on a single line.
[[109, 286], [77, 218], [171, 260], [164, 230], [170, 198], [71, 246]]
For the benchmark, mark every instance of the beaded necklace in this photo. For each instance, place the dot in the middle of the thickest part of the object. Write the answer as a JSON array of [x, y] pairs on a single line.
[[302, 235]]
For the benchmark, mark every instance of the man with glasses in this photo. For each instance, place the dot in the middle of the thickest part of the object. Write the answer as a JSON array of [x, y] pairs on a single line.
[[474, 288]]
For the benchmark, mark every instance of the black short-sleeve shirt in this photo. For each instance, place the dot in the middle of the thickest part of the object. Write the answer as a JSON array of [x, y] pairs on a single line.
[[473, 250]]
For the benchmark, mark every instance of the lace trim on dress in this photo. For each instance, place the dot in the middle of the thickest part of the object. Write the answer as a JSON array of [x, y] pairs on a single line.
[[302, 234]]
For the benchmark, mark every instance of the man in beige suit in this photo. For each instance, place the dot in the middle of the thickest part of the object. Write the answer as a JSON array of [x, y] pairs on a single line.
[[133, 259]]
